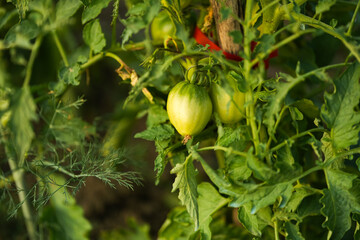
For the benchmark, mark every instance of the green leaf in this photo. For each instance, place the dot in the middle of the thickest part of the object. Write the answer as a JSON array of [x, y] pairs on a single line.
[[230, 136], [237, 168], [133, 231], [324, 5], [209, 201], [310, 206], [158, 132], [63, 218], [70, 75], [140, 16], [225, 12], [307, 107], [224, 186], [264, 196], [236, 36], [338, 202], [338, 111], [260, 169], [297, 197], [293, 232], [177, 226], [156, 115], [5, 18], [249, 220], [276, 102], [93, 36], [66, 9], [93, 9], [23, 112], [21, 34], [161, 161], [185, 181]]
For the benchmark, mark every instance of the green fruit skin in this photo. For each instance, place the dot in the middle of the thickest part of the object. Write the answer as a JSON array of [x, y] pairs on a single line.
[[162, 27], [229, 108], [189, 108]]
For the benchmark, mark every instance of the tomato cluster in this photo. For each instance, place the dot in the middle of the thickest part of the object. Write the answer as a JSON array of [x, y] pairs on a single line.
[[190, 106]]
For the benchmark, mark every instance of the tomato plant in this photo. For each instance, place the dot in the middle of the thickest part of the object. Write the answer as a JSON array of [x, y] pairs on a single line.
[[247, 110]]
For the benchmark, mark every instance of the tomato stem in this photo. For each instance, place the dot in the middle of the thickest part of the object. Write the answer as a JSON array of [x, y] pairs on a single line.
[[60, 48], [30, 64], [324, 27], [250, 109], [353, 19], [18, 175]]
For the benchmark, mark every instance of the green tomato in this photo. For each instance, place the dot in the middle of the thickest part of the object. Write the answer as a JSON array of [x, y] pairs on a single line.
[[162, 27], [189, 108], [230, 108]]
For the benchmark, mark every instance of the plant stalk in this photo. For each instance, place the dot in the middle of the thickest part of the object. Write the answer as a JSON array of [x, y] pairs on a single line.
[[30, 64], [18, 175], [276, 230], [60, 48], [353, 19], [250, 109]]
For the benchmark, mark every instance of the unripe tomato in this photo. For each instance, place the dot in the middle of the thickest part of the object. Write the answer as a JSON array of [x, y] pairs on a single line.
[[162, 27], [189, 108], [229, 108]]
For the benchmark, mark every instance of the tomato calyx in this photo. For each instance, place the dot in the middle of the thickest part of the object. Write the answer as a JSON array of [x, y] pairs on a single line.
[[186, 139]]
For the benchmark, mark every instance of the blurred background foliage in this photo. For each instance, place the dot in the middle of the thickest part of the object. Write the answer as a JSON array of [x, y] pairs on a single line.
[[136, 211]]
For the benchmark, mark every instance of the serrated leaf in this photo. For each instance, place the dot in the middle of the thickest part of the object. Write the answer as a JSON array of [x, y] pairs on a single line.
[[140, 16], [324, 5], [158, 132], [338, 202], [264, 196], [293, 232], [209, 201], [249, 220], [185, 181], [21, 34], [23, 112], [224, 186], [338, 110], [70, 75], [66, 9], [237, 168], [297, 197], [93, 9], [63, 218], [260, 169], [161, 161], [93, 36], [231, 136], [276, 102]]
